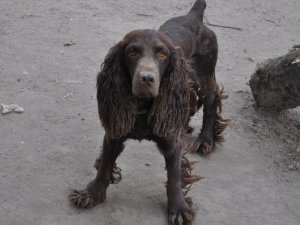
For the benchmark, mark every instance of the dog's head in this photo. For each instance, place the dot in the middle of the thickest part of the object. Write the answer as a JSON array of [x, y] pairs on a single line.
[[147, 56], [145, 64]]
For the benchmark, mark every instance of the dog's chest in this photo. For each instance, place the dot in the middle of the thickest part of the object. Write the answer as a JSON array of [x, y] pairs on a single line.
[[142, 130]]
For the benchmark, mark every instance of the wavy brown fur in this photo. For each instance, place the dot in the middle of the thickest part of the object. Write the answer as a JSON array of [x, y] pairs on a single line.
[[116, 103], [188, 178], [171, 107], [220, 123]]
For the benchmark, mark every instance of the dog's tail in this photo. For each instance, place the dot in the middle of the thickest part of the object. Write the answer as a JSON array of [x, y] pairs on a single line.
[[198, 9]]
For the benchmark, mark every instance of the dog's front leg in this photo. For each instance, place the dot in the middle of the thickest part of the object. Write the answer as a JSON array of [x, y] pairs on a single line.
[[95, 192], [179, 208]]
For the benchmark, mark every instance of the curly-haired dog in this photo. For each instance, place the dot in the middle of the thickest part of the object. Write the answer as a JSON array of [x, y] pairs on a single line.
[[150, 84]]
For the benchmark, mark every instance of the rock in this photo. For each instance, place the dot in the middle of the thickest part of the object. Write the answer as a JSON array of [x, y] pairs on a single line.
[[276, 82]]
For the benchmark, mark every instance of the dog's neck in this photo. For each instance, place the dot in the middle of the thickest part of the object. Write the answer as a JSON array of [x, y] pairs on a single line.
[[144, 105]]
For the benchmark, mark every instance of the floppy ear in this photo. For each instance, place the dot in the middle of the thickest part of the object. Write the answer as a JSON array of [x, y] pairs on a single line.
[[116, 103], [171, 107]]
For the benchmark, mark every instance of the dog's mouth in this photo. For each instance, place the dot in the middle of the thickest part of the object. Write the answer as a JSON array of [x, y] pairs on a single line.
[[145, 93]]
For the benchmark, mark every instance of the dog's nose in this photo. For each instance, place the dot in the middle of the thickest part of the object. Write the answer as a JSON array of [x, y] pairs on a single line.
[[147, 77]]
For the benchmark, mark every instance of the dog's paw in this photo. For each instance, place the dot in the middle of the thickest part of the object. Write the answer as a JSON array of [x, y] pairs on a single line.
[[85, 198], [205, 148], [182, 215], [204, 145], [201, 145]]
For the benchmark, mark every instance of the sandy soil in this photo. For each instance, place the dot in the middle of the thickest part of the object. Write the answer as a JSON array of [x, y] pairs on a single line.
[[54, 143]]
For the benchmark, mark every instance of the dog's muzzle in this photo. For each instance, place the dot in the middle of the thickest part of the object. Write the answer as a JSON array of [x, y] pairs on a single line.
[[146, 79]]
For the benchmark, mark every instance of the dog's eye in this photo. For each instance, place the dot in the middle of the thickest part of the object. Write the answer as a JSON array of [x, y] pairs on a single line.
[[132, 53], [162, 55]]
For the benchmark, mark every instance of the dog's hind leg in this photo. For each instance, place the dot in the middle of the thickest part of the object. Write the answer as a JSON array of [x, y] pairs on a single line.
[[95, 192], [213, 123], [209, 93]]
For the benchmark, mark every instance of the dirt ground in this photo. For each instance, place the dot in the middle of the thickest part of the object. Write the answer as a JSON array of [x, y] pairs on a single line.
[[251, 180]]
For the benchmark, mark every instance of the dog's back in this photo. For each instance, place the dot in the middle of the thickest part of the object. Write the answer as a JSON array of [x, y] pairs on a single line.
[[184, 29]]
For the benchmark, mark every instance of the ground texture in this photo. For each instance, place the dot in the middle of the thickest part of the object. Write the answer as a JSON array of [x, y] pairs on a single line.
[[251, 180]]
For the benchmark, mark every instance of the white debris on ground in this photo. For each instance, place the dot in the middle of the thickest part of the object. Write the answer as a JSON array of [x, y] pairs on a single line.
[[11, 108]]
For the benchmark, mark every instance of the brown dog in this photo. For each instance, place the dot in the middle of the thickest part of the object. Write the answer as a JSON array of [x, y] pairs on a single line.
[[150, 84]]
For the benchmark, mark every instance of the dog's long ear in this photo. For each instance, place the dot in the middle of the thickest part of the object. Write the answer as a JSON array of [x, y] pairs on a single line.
[[171, 107], [116, 103]]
